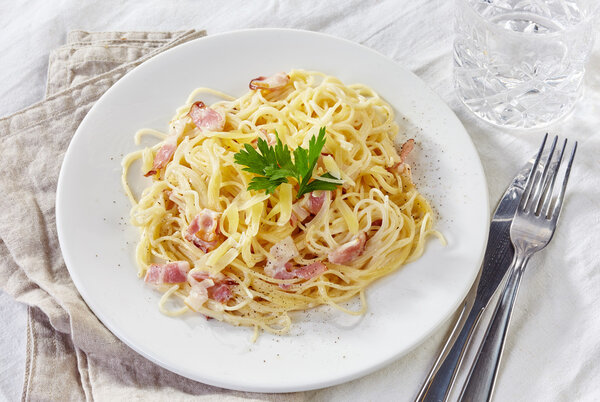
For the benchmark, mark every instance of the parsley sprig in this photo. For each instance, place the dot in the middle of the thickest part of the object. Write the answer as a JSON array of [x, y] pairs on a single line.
[[274, 165]]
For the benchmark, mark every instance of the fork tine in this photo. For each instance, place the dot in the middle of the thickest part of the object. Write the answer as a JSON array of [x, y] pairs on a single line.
[[537, 195], [561, 195], [545, 210], [532, 174]]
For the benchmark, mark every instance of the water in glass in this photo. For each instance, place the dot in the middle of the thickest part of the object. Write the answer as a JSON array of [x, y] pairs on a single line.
[[520, 63]]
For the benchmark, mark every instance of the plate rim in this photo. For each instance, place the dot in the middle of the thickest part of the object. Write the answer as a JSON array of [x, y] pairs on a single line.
[[107, 322]]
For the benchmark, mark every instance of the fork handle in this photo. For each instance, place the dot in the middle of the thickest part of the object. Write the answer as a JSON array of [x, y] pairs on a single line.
[[482, 377]]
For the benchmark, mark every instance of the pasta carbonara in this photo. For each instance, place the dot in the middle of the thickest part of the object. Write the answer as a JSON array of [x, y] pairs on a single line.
[[249, 257]]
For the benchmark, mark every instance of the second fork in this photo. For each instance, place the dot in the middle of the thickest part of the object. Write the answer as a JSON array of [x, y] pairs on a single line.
[[531, 230]]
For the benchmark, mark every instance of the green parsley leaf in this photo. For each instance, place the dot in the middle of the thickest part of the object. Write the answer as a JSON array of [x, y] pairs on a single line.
[[264, 183], [321, 185], [274, 165]]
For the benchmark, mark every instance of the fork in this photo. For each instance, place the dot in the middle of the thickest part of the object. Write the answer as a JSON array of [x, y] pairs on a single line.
[[531, 230]]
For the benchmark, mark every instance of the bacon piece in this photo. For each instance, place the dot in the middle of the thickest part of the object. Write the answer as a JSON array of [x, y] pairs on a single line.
[[377, 222], [205, 225], [218, 278], [406, 148], [221, 293], [286, 271], [164, 155], [196, 298], [176, 272], [198, 294], [200, 275], [153, 274], [280, 267], [203, 231], [310, 204], [299, 214], [315, 201], [205, 246], [219, 288], [349, 251], [310, 271], [283, 272], [402, 167], [206, 118], [284, 250], [281, 253], [172, 272], [275, 81]]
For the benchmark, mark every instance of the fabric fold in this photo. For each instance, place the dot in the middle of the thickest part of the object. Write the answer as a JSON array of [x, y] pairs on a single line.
[[70, 354]]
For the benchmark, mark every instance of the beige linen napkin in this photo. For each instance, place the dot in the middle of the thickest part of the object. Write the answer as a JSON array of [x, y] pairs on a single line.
[[71, 355]]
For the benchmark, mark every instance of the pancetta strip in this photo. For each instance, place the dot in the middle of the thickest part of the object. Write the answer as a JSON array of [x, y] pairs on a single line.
[[310, 271], [219, 287], [299, 213], [276, 81], [172, 272], [406, 148], [287, 271], [310, 204], [349, 251], [283, 271], [164, 155], [203, 231], [206, 118], [221, 293], [281, 253], [403, 167], [280, 267], [198, 294], [315, 200]]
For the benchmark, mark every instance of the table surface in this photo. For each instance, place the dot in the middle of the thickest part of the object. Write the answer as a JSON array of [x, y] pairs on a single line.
[[558, 339]]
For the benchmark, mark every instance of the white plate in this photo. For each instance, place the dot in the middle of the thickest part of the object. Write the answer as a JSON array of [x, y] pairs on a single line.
[[326, 347]]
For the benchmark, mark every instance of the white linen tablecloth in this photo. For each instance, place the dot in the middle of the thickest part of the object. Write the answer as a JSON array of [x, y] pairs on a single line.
[[553, 349]]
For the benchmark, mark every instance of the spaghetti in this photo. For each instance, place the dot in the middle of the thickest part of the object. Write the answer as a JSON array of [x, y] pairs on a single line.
[[249, 258]]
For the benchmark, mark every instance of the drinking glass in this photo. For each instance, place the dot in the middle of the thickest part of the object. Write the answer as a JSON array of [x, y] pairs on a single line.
[[520, 63]]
